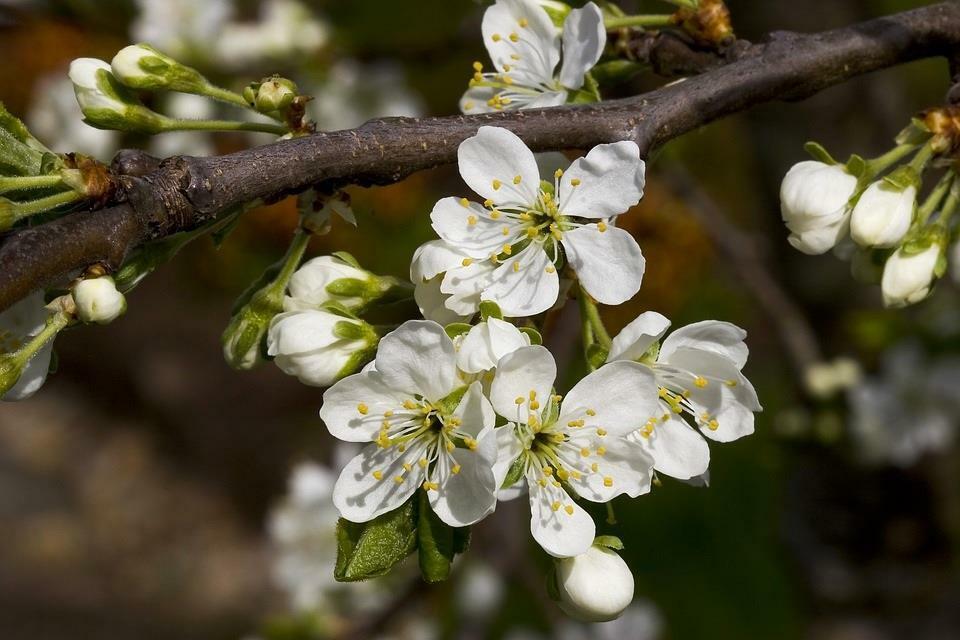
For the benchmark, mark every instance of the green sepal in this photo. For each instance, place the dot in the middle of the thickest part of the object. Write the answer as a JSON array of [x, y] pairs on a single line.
[[346, 330], [558, 11], [856, 166], [338, 309], [916, 133], [449, 403], [354, 288], [615, 71], [651, 354], [461, 540], [515, 472], [902, 177], [370, 549], [533, 334], [547, 187], [940, 267], [456, 329], [168, 74], [610, 542], [490, 309], [596, 356], [588, 94], [436, 542], [269, 275], [348, 258], [818, 152]]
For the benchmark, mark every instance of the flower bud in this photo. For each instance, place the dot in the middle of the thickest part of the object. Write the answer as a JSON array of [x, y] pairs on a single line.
[[908, 277], [814, 199], [332, 279], [98, 300], [319, 347], [106, 104], [595, 586], [243, 337], [882, 215], [273, 94], [142, 67]]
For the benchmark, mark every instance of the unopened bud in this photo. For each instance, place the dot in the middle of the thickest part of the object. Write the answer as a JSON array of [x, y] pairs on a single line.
[[595, 586], [106, 104], [243, 338], [98, 300], [140, 66], [271, 94], [882, 215], [334, 279], [909, 275]]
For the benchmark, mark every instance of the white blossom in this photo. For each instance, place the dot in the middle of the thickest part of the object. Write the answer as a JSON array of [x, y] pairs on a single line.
[[697, 369], [908, 277], [315, 283], [98, 300], [525, 48], [286, 29], [56, 118], [87, 75], [595, 586], [354, 92], [486, 343], [425, 427], [526, 230], [18, 324], [814, 202], [882, 215], [447, 282], [181, 28], [318, 347], [572, 446]]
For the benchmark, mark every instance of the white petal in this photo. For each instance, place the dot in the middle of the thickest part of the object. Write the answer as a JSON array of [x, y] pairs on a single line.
[[433, 258], [486, 343], [528, 290], [621, 395], [360, 497], [498, 154], [509, 447], [584, 38], [677, 449], [294, 332], [419, 358], [475, 99], [32, 377], [530, 52], [608, 263], [341, 406], [611, 180], [723, 338], [526, 370], [465, 284], [468, 496], [432, 302], [635, 338], [625, 466], [470, 229], [561, 534], [475, 412]]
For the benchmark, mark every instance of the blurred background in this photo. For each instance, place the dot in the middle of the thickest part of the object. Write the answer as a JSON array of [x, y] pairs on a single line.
[[149, 491]]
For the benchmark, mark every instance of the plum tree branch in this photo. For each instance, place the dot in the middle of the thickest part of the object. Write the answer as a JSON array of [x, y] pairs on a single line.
[[182, 193]]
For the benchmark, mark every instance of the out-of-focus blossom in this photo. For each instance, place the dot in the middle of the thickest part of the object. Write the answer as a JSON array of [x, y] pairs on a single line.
[[286, 29], [185, 143], [55, 118], [354, 93], [181, 28], [826, 379]]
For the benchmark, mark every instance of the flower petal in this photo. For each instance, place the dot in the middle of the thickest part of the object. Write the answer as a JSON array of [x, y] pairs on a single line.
[[624, 468], [608, 263], [486, 343], [561, 533], [470, 229], [343, 414], [528, 289], [304, 331], [609, 180], [433, 258], [509, 448], [722, 338], [360, 496], [527, 370], [620, 397], [476, 100], [433, 302], [419, 358], [635, 338], [677, 449], [464, 285], [475, 412], [522, 41], [491, 162], [470, 495], [584, 38]]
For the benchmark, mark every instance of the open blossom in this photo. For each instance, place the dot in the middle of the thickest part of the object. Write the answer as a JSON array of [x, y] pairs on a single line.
[[527, 230], [697, 369], [572, 446], [425, 428], [814, 201], [18, 324], [448, 282], [525, 48]]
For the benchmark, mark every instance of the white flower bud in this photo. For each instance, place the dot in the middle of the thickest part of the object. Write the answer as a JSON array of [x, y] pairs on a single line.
[[142, 67], [86, 78], [319, 347], [106, 104], [330, 279], [907, 278], [98, 300], [814, 200], [595, 586], [882, 215]]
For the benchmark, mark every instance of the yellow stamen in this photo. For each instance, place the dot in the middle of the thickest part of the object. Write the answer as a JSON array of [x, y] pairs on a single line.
[[363, 409], [496, 185], [700, 382], [495, 37], [517, 179], [607, 481], [466, 262], [399, 479], [601, 226], [378, 475], [569, 509], [455, 469], [523, 22], [471, 220]]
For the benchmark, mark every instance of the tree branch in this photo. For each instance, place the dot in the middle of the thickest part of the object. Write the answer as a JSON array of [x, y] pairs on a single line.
[[184, 193]]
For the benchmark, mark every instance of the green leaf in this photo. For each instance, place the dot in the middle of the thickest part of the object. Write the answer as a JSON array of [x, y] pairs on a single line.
[[455, 329], [490, 309], [817, 152], [515, 473], [610, 542], [370, 549], [17, 158], [533, 334], [436, 543]]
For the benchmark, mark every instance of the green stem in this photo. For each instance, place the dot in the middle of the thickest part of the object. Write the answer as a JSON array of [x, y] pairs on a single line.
[[225, 125], [298, 246], [592, 315], [611, 515], [55, 323], [936, 196], [644, 21], [22, 210], [920, 160], [882, 162], [27, 183], [225, 95], [950, 206]]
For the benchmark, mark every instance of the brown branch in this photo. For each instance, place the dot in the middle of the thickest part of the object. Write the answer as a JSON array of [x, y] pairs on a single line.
[[183, 193]]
